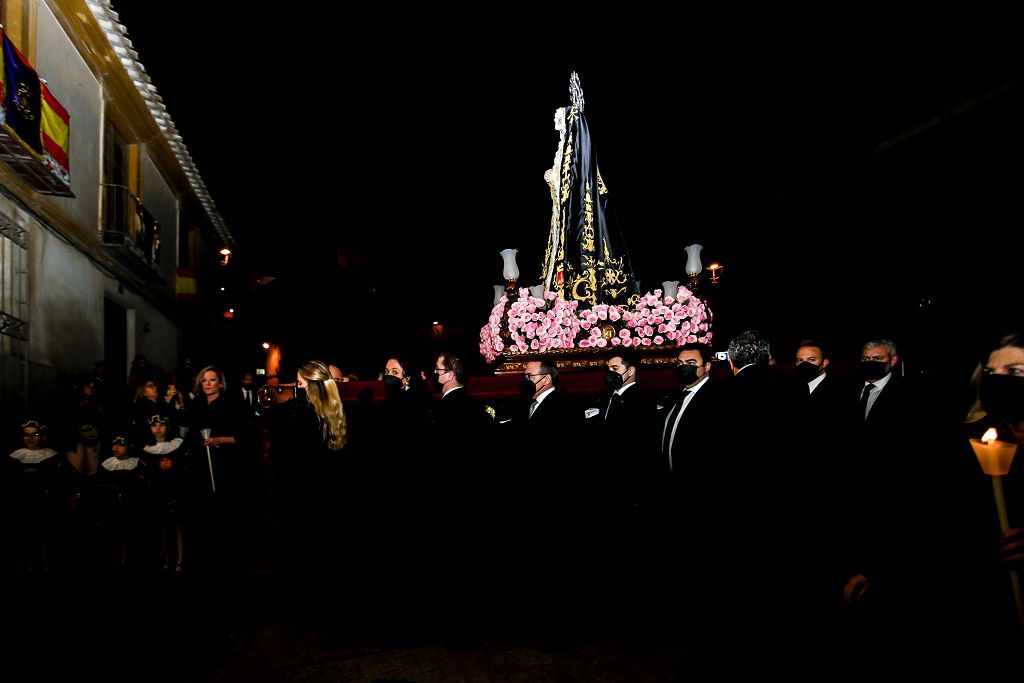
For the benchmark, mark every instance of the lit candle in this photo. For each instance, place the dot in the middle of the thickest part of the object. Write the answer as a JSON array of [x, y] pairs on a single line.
[[995, 458]]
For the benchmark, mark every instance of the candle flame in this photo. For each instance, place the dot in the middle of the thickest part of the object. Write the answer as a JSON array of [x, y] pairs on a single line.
[[990, 436]]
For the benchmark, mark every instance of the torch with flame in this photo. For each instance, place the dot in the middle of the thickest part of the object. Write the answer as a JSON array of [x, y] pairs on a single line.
[[995, 458]]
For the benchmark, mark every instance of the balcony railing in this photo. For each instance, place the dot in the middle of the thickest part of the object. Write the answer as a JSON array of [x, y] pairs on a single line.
[[131, 232]]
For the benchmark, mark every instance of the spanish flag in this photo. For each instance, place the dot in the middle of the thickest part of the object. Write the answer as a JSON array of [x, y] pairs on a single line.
[[30, 112], [185, 284], [55, 130]]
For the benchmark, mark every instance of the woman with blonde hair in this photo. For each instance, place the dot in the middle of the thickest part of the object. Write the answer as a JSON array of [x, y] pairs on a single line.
[[323, 396], [311, 467]]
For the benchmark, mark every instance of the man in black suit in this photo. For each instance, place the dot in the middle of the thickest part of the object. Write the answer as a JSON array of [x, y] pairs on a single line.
[[687, 422], [620, 407], [764, 542], [615, 467], [683, 495], [882, 394], [614, 418], [827, 393], [886, 474], [454, 409], [439, 486], [247, 396], [543, 376], [548, 461]]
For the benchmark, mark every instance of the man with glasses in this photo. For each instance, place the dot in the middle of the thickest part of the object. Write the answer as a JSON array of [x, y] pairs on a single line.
[[540, 379], [454, 408]]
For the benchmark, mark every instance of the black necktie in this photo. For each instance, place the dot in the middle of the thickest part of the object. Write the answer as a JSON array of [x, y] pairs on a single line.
[[615, 399], [533, 407], [670, 423], [864, 396]]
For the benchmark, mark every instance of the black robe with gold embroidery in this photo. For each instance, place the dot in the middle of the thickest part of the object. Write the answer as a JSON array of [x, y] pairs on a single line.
[[586, 257]]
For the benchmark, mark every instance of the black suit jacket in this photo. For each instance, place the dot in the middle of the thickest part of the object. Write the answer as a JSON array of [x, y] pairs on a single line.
[[764, 460], [613, 434], [552, 411], [891, 410], [832, 396], [695, 432], [457, 409], [628, 411]]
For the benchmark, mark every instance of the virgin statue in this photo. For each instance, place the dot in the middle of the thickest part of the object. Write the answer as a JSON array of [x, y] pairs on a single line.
[[586, 258]]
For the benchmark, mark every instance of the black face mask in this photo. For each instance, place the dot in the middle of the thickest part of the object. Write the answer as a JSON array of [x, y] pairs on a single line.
[[1002, 397], [807, 372], [300, 394], [392, 385], [686, 374], [527, 388], [872, 369], [613, 380], [436, 379]]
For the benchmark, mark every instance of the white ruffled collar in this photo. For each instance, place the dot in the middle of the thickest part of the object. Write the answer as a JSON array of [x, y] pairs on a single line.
[[112, 464], [163, 448], [30, 457]]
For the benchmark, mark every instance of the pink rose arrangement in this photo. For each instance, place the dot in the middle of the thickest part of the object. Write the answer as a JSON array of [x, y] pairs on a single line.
[[536, 325], [655, 321]]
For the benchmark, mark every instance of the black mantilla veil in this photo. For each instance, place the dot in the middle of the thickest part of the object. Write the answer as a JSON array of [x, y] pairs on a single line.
[[586, 258]]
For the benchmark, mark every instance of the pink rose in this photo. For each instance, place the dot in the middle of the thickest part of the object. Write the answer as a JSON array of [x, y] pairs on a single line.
[[692, 338], [602, 342], [616, 341], [659, 339], [584, 343], [647, 341], [624, 334], [627, 342]]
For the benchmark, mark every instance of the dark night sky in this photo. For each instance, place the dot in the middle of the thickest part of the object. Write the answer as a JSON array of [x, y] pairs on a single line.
[[426, 150]]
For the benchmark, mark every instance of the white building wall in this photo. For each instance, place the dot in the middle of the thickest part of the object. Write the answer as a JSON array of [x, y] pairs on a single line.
[[66, 301]]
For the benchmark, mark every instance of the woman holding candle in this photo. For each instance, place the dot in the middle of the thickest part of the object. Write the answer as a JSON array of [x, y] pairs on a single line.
[[986, 497], [1000, 404]]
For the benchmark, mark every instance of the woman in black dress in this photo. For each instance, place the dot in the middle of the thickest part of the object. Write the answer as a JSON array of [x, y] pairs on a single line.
[[317, 473], [214, 435]]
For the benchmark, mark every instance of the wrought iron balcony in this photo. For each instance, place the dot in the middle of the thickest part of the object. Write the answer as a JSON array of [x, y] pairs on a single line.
[[131, 233], [30, 167]]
